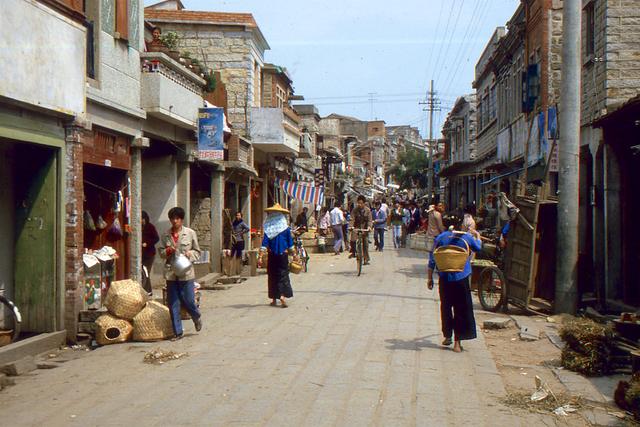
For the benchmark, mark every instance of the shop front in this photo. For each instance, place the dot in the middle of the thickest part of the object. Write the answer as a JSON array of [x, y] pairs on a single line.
[[31, 219]]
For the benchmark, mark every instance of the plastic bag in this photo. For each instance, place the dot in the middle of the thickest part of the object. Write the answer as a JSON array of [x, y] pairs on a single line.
[[101, 224], [88, 221], [115, 229]]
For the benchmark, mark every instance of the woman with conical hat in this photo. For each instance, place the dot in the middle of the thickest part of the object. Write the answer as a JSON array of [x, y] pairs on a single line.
[[279, 242]]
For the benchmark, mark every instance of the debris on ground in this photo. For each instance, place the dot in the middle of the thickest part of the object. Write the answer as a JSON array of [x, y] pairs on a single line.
[[542, 390], [523, 400], [588, 348], [159, 356], [627, 395], [564, 410]]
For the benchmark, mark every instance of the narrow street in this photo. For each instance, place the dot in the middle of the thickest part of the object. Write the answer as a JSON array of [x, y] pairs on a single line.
[[348, 351]]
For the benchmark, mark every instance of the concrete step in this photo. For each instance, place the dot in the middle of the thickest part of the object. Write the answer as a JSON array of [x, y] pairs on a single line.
[[32, 346]]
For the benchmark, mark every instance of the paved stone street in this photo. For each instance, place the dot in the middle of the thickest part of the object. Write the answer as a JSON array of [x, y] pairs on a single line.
[[348, 351]]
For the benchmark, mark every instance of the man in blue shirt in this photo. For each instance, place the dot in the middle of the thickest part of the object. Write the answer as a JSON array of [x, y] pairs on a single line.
[[379, 224], [456, 307]]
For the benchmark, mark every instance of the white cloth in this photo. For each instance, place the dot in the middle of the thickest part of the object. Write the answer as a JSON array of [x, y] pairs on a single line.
[[337, 217], [275, 224], [385, 208]]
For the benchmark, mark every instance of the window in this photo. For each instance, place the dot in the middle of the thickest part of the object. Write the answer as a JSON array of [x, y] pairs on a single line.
[[590, 23], [281, 97], [91, 73], [492, 103], [122, 19]]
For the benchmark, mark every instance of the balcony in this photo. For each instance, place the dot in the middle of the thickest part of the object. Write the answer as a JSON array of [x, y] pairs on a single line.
[[170, 92], [306, 146], [273, 131]]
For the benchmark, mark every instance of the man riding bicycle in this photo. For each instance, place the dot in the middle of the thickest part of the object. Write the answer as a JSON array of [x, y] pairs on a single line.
[[361, 219]]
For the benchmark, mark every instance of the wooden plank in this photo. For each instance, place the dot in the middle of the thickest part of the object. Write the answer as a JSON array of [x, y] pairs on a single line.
[[122, 19]]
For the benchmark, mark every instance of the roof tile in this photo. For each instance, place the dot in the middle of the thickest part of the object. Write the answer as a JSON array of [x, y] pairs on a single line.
[[204, 17]]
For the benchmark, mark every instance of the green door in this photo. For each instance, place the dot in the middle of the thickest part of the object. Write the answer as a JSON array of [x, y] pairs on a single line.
[[35, 256]]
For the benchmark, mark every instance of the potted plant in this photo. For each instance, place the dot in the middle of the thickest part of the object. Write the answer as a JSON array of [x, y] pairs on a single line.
[[170, 40], [196, 65], [185, 58], [210, 78]]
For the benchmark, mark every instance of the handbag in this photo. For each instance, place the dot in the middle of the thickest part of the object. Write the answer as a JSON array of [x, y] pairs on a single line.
[[452, 258]]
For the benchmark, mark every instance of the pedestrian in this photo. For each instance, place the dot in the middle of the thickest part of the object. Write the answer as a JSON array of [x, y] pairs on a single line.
[[456, 307], [324, 223], [302, 222], [396, 225], [435, 227], [406, 219], [468, 223], [240, 230], [150, 238], [345, 227], [180, 289], [278, 240], [337, 219], [414, 223], [380, 223]]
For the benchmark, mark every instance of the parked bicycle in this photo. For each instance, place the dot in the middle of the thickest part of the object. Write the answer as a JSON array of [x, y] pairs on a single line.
[[361, 236], [300, 251], [491, 281], [14, 318]]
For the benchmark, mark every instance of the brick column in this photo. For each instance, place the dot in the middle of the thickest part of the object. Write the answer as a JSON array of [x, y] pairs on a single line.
[[135, 238], [217, 205], [74, 232]]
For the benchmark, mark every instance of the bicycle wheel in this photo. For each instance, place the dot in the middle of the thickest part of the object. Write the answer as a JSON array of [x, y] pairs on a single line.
[[491, 288], [14, 318], [359, 256]]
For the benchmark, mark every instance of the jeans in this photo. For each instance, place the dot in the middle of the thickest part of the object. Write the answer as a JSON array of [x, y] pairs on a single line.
[[181, 293], [397, 235], [379, 237], [337, 237]]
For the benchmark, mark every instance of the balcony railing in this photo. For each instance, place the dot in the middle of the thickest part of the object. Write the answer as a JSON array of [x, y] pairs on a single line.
[[170, 91]]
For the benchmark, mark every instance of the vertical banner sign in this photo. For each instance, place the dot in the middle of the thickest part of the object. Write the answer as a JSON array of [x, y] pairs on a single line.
[[210, 133]]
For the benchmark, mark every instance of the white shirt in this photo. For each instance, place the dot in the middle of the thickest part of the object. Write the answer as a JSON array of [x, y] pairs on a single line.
[[337, 217]]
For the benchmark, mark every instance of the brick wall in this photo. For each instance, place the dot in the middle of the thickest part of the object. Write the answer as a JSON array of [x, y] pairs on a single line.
[[593, 69], [74, 231]]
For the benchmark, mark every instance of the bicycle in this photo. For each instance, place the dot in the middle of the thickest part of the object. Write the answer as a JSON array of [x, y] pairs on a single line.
[[15, 316], [361, 236], [301, 252], [492, 286]]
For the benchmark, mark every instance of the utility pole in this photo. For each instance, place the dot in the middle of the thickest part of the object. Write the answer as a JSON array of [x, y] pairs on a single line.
[[432, 104], [566, 298]]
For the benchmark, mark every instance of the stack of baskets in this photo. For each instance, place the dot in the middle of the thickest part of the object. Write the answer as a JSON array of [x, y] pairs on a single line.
[[131, 316]]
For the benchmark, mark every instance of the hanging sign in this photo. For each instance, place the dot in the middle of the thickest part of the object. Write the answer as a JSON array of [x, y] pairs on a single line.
[[210, 133]]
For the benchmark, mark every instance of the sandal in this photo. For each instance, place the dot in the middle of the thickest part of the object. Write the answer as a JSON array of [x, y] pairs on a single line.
[[273, 303], [447, 341]]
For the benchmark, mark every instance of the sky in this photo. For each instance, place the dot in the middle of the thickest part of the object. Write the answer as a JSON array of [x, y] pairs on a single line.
[[373, 59]]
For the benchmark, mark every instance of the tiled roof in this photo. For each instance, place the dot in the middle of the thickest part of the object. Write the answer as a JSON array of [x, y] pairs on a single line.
[[221, 18]]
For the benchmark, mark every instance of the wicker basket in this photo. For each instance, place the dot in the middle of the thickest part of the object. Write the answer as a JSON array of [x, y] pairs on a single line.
[[153, 323], [451, 258], [111, 330], [295, 267], [125, 299]]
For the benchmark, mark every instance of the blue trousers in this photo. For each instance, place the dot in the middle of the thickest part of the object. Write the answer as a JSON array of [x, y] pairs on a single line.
[[181, 293], [379, 234], [337, 237]]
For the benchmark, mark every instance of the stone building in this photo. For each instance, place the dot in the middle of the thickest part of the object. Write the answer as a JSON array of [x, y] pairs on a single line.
[[459, 131], [609, 156]]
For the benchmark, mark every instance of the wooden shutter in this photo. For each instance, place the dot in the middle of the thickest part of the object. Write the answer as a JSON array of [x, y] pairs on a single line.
[[76, 5], [122, 18]]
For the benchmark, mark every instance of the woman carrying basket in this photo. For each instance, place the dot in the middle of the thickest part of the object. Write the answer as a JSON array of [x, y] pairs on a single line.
[[279, 242], [452, 255]]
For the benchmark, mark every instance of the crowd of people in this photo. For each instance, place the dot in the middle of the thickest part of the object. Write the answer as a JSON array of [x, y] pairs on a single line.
[[403, 218]]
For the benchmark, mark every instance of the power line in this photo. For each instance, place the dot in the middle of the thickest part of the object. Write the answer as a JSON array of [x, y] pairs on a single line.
[[446, 30], [429, 63], [455, 27]]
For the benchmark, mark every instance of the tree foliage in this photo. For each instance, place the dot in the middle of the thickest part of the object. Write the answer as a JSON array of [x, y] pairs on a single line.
[[411, 169]]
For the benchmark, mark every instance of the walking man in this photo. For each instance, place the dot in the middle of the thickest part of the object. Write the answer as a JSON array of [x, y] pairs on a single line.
[[380, 222], [337, 219]]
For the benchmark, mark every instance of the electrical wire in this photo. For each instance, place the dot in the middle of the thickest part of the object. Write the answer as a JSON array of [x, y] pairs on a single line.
[[455, 30]]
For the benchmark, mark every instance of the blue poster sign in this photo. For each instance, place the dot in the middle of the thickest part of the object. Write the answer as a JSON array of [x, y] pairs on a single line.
[[211, 133]]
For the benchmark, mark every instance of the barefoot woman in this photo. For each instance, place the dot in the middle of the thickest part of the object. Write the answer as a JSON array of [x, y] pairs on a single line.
[[278, 240]]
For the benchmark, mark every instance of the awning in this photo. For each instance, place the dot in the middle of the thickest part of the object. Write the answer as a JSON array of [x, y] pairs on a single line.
[[455, 169], [495, 178]]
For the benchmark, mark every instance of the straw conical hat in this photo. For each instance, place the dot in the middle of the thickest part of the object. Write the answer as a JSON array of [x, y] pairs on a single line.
[[277, 208]]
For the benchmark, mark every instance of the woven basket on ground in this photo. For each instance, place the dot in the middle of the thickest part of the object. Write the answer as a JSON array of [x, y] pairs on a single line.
[[153, 323], [125, 299], [111, 330]]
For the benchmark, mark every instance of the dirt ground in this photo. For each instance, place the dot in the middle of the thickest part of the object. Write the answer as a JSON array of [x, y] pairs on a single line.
[[519, 362]]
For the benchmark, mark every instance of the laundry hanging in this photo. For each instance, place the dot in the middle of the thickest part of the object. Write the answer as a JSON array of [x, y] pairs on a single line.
[[302, 191]]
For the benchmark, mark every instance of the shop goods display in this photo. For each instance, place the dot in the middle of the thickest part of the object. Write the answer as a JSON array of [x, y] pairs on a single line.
[[101, 224], [125, 299], [88, 221], [111, 330], [152, 323]]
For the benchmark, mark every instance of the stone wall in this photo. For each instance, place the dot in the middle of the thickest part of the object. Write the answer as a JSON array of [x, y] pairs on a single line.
[[622, 52], [593, 69], [201, 220], [233, 53]]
